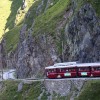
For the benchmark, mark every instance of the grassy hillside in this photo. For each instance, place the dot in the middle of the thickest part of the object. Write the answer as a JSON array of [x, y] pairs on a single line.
[[5, 11], [33, 90], [45, 21], [14, 23], [15, 5], [12, 38], [28, 92], [48, 20], [91, 91], [11, 14]]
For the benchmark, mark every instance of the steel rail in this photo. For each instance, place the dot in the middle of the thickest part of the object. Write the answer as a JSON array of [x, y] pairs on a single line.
[[46, 79]]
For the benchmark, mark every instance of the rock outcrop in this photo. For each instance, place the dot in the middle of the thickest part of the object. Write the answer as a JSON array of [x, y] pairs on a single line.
[[64, 87], [82, 34], [34, 53]]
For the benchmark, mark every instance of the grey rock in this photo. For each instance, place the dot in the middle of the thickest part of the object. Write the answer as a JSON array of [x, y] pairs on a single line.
[[82, 36], [64, 87], [20, 87]]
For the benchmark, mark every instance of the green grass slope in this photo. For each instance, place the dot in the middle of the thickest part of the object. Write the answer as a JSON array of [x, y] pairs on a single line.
[[12, 38], [13, 9], [4, 14], [11, 14], [91, 91], [45, 21], [28, 92], [15, 22]]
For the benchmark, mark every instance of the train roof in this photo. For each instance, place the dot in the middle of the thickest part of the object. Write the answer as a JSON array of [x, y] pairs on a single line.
[[64, 63], [88, 64], [73, 65], [53, 67]]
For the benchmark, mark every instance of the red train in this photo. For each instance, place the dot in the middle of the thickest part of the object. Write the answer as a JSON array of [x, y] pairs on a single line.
[[73, 69]]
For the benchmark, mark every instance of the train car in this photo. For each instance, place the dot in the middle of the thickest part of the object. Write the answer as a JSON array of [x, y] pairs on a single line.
[[66, 71], [84, 70], [88, 69], [61, 70]]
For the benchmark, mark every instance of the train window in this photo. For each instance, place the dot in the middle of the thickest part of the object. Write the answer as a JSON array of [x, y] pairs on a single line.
[[97, 68], [71, 69], [63, 70], [66, 69], [58, 69], [83, 69]]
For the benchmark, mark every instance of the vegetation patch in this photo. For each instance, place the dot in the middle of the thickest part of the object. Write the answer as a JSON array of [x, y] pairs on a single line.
[[91, 91], [31, 14], [45, 22], [14, 8], [28, 92], [48, 20], [12, 38]]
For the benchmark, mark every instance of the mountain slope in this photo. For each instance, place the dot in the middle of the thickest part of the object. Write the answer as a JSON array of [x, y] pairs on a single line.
[[39, 33]]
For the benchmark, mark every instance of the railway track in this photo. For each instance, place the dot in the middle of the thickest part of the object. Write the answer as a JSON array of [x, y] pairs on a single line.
[[46, 79]]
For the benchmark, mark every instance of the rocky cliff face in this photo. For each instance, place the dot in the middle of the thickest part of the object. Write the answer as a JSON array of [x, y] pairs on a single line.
[[79, 41], [83, 36], [36, 51], [68, 88]]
